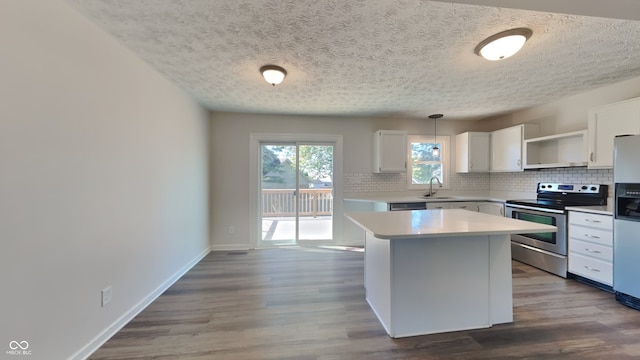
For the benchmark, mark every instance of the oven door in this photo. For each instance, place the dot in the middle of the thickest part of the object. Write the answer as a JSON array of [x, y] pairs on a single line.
[[555, 242]]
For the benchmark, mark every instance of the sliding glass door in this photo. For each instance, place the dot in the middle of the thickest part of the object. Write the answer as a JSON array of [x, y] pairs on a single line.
[[296, 193]]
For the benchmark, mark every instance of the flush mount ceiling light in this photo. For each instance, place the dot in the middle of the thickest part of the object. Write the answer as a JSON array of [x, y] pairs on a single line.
[[503, 45], [273, 74], [436, 150]]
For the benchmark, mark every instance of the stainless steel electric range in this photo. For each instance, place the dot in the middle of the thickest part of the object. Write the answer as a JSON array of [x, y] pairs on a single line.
[[548, 251]]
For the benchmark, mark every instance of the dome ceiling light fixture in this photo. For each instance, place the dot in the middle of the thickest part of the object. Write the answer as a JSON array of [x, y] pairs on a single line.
[[273, 74], [503, 44]]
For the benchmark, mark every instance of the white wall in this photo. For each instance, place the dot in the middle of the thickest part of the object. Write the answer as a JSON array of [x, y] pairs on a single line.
[[565, 115], [103, 180], [570, 113]]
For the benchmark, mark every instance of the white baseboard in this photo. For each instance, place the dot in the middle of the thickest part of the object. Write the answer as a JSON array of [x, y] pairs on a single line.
[[230, 247], [107, 333]]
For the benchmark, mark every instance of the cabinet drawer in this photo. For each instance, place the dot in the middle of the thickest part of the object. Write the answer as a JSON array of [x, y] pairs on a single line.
[[594, 250], [438, 205], [604, 222], [594, 269], [603, 237], [471, 206]]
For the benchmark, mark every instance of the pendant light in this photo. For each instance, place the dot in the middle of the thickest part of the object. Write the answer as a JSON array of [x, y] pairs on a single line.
[[436, 150]]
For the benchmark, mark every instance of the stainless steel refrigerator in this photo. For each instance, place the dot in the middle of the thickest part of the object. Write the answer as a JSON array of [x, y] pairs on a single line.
[[626, 224]]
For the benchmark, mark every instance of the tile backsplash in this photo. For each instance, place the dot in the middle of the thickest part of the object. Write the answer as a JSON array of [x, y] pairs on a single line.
[[527, 180], [519, 181], [369, 182]]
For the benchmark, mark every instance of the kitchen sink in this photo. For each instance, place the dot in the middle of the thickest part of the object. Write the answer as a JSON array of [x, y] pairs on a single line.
[[437, 197]]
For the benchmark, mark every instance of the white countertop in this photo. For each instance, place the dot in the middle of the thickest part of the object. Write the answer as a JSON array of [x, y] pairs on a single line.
[[442, 195], [602, 210], [440, 223]]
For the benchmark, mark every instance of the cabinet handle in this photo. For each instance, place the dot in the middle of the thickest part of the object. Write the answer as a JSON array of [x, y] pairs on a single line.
[[463, 207], [591, 269], [593, 221], [502, 211], [591, 156], [470, 164], [592, 251], [591, 236], [518, 162]]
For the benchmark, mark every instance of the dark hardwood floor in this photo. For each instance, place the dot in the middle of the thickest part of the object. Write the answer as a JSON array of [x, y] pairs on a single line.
[[308, 303]]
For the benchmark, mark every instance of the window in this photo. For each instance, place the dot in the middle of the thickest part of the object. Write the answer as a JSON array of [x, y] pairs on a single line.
[[423, 166]]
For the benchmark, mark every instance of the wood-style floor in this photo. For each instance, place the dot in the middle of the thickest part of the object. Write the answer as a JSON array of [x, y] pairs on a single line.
[[308, 303]]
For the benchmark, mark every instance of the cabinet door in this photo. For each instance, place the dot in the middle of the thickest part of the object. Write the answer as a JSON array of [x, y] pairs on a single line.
[[472, 152], [506, 149], [467, 205], [604, 124], [491, 208], [390, 151]]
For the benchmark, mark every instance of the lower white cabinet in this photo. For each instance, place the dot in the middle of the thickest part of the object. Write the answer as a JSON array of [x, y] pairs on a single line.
[[591, 246], [353, 234], [491, 208], [467, 205], [439, 205], [482, 206]]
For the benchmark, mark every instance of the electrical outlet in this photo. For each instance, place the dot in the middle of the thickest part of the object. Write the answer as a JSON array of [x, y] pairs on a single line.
[[106, 296], [232, 229]]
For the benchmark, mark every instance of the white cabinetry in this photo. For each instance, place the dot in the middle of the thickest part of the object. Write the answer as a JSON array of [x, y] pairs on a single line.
[[352, 234], [389, 151], [467, 205], [438, 205], [472, 152], [591, 246], [605, 122], [561, 150], [492, 208], [506, 147]]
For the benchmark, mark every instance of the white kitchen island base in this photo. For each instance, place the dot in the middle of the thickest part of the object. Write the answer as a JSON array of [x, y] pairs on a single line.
[[434, 271], [418, 286]]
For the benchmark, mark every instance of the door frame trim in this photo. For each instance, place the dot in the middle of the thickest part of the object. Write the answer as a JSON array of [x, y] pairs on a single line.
[[255, 139]]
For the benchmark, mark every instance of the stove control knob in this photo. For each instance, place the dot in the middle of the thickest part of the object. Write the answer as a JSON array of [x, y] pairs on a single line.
[[584, 187], [593, 188]]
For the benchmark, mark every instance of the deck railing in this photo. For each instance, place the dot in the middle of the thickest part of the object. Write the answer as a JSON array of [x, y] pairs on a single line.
[[281, 202]]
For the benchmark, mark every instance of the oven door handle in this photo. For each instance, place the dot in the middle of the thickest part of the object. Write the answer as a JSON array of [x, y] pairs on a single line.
[[516, 206]]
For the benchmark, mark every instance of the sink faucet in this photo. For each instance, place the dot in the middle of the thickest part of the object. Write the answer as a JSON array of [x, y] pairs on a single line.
[[431, 192]]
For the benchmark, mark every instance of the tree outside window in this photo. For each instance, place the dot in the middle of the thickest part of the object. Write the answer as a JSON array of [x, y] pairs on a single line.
[[423, 165]]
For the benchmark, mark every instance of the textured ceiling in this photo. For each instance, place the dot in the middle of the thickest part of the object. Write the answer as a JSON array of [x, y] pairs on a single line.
[[367, 57]]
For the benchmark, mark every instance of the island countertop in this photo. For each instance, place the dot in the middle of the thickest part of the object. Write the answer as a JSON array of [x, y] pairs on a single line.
[[440, 223]]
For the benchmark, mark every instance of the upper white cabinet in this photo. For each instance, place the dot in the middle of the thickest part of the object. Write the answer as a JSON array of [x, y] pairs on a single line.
[[472, 152], [561, 150], [389, 151], [605, 122], [506, 147]]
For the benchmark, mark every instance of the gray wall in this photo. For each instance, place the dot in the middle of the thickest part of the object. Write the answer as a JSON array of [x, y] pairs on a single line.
[[230, 133], [103, 180]]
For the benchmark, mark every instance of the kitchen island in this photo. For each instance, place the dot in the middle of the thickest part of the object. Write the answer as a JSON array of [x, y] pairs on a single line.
[[432, 271]]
